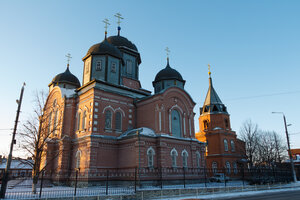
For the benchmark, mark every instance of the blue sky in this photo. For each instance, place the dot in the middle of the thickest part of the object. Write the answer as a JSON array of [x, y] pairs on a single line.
[[252, 46]]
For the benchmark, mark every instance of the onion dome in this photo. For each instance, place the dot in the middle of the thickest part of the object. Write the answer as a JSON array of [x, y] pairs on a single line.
[[104, 48], [66, 78], [168, 73], [120, 41]]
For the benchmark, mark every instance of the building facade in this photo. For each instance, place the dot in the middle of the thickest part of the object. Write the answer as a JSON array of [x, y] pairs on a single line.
[[224, 149], [111, 122]]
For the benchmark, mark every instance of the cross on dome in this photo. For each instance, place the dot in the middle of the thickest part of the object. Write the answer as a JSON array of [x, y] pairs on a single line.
[[209, 73], [69, 58], [106, 22], [168, 52], [118, 16]]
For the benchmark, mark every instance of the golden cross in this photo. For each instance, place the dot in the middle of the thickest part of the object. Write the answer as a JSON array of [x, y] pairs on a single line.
[[168, 51], [118, 15], [69, 58], [209, 73], [106, 22]]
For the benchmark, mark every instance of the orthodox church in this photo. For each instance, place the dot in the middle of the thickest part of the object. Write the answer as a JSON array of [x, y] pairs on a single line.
[[110, 122], [224, 149]]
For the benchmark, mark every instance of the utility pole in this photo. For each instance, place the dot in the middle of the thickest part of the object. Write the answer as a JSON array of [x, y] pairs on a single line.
[[289, 148], [6, 173]]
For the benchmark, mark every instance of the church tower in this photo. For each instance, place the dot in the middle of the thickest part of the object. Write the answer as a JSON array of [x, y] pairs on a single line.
[[224, 150]]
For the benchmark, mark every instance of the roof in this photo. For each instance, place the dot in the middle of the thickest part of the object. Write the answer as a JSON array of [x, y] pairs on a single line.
[[66, 77], [168, 73], [17, 164], [104, 48], [212, 96], [120, 41]]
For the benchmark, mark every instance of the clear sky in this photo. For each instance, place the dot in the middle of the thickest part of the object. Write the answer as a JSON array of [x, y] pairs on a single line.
[[253, 48]]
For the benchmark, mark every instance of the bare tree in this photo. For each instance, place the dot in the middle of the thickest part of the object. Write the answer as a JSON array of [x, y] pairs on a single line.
[[37, 130], [249, 134]]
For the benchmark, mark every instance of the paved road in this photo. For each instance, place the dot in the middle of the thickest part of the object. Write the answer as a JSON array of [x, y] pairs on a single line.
[[286, 195]]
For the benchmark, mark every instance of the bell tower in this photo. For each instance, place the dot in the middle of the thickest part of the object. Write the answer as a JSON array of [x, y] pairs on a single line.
[[223, 147]]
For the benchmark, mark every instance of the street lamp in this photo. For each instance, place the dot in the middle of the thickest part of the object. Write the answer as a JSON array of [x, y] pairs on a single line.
[[288, 142]]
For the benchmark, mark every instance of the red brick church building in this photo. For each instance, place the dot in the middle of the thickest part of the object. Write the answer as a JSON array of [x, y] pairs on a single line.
[[110, 122]]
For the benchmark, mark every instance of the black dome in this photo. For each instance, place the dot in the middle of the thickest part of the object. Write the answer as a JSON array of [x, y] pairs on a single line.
[[167, 74], [104, 48], [120, 41], [66, 77]]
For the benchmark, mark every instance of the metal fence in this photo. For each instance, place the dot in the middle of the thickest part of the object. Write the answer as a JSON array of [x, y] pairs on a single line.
[[128, 181]]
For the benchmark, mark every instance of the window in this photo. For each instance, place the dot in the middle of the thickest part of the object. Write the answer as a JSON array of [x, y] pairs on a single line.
[[150, 155], [113, 67], [232, 146], [55, 122], [174, 155], [198, 159], [215, 108], [205, 109], [175, 123], [87, 66], [205, 124], [78, 120], [235, 170], [78, 157], [108, 119], [228, 170], [184, 158], [214, 167], [118, 122], [99, 65], [49, 123], [129, 66], [225, 145], [83, 125], [226, 123]]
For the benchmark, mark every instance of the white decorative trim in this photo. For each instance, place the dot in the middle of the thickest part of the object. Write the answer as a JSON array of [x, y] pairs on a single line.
[[120, 110], [176, 106], [184, 129], [159, 120], [170, 122], [150, 149], [190, 127], [174, 150], [107, 108], [184, 151]]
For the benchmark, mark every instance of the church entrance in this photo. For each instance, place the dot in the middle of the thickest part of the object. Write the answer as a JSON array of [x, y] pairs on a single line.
[[176, 127]]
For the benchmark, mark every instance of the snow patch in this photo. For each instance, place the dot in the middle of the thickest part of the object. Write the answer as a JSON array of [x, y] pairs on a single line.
[[67, 92]]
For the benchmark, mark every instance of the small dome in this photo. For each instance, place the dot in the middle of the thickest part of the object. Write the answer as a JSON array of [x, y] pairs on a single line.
[[66, 77], [167, 74], [120, 41], [104, 48]]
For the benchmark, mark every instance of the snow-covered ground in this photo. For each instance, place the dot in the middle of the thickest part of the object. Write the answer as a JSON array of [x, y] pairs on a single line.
[[211, 190]]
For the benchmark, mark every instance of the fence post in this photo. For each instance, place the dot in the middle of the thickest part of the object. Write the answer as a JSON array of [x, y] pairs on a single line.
[[41, 187], [243, 175], [205, 176], [76, 181], [135, 176], [183, 177], [224, 169], [161, 181], [107, 181]]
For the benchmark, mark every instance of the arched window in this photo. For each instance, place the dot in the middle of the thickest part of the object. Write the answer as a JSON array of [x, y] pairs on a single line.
[[55, 122], [205, 124], [232, 146], [150, 155], [228, 167], [49, 123], [118, 121], [108, 119], [184, 155], [214, 167], [78, 157], [176, 125], [226, 123], [198, 159], [225, 145], [78, 120], [174, 155], [83, 123], [235, 170]]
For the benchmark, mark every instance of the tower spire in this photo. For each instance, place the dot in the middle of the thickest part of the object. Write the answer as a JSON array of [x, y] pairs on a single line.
[[106, 22], [69, 58], [168, 53], [118, 16]]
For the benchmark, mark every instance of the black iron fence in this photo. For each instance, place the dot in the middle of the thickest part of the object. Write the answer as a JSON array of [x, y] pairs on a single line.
[[127, 181]]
